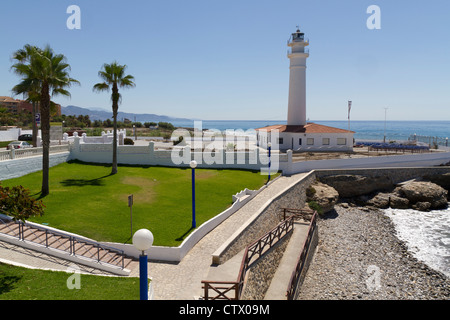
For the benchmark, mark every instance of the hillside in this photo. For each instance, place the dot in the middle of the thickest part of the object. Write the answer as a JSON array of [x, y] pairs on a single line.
[[96, 114]]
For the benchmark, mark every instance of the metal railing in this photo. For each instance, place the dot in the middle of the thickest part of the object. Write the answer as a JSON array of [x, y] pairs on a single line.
[[252, 253], [301, 262], [59, 241]]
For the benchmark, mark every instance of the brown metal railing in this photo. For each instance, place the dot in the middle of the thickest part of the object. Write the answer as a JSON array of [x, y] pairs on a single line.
[[251, 254], [296, 274]]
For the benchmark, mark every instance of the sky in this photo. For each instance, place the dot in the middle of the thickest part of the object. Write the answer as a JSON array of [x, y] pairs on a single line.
[[226, 60]]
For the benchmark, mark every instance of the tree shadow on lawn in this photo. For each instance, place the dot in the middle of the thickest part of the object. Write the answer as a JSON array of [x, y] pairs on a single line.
[[7, 283], [84, 182]]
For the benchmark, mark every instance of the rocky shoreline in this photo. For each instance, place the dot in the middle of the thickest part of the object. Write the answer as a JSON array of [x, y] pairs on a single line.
[[360, 257]]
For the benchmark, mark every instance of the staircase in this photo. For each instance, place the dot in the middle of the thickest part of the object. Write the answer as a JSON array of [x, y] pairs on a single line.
[[64, 245]]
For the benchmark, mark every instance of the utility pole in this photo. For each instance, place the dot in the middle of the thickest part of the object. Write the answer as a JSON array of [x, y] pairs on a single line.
[[385, 112]]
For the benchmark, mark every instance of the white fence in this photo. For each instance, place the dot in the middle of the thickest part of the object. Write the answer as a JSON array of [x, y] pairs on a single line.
[[391, 161], [29, 152], [176, 157], [105, 138]]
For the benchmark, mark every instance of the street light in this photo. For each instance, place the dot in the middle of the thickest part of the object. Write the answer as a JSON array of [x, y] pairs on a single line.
[[143, 240], [193, 165], [269, 145]]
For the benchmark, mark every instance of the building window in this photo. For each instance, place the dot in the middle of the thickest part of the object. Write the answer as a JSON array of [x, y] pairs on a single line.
[[280, 140], [326, 141], [300, 141], [310, 141], [341, 141]]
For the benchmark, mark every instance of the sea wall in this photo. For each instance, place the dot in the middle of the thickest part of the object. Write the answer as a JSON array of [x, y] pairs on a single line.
[[379, 162], [396, 175]]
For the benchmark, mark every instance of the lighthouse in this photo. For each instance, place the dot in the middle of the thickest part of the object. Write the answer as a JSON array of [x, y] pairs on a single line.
[[297, 135], [297, 54]]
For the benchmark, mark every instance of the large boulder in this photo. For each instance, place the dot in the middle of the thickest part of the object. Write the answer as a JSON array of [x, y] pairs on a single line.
[[423, 191], [349, 186], [442, 180], [325, 196]]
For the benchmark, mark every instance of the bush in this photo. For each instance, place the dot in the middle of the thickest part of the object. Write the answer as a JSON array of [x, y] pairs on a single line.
[[315, 206], [17, 203], [128, 141], [180, 139], [310, 192]]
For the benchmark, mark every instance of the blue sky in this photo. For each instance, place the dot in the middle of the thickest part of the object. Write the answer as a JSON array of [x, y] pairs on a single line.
[[217, 59]]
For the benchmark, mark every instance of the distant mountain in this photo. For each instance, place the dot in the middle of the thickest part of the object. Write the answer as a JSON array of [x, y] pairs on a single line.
[[98, 114]]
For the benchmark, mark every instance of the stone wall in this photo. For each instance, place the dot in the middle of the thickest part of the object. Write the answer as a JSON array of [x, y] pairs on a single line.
[[19, 167], [269, 217], [261, 272], [396, 175]]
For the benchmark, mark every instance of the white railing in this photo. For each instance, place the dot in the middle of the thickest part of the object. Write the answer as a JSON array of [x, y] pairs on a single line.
[[30, 152]]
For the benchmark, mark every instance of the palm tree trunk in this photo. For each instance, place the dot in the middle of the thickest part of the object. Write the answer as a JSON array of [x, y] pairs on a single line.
[[114, 160], [115, 107], [45, 129]]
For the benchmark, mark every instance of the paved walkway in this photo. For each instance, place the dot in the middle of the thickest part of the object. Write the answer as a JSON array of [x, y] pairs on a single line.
[[173, 281]]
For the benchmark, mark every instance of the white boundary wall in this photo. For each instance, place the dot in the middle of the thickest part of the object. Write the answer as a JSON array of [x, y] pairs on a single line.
[[408, 160]]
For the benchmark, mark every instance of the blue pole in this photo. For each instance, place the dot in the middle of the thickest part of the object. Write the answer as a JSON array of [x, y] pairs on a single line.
[[269, 163], [193, 199], [143, 277]]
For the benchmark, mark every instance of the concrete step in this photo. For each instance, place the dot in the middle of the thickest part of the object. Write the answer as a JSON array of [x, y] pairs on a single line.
[[280, 281]]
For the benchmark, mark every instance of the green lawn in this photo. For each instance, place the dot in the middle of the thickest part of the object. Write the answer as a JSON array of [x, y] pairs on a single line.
[[17, 283], [86, 200]]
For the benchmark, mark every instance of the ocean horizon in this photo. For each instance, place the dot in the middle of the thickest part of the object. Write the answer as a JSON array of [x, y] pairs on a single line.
[[364, 129]]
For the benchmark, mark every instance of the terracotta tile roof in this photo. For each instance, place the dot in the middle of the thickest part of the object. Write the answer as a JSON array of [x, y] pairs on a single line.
[[308, 128]]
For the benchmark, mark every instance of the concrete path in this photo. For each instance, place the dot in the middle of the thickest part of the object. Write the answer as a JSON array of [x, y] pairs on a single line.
[[280, 281], [178, 281]]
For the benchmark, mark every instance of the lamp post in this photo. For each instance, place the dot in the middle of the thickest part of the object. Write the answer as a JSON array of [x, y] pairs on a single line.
[[269, 146], [193, 165], [143, 240]]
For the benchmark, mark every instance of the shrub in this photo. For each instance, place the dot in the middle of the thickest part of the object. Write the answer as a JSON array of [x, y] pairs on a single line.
[[310, 192], [128, 141], [315, 206], [17, 203], [180, 139]]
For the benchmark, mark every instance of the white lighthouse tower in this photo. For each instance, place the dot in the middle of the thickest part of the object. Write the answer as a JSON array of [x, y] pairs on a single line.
[[298, 135], [297, 79]]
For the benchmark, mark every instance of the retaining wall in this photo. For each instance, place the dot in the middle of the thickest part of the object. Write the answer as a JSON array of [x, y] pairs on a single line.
[[396, 175], [400, 161], [19, 167], [265, 219]]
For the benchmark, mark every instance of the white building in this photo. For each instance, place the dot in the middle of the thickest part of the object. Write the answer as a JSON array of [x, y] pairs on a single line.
[[298, 135]]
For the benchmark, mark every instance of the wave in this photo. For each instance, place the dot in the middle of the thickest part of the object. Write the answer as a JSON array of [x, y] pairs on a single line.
[[426, 234]]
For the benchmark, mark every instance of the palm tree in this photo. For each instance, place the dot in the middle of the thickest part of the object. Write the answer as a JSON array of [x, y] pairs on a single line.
[[114, 77], [44, 74]]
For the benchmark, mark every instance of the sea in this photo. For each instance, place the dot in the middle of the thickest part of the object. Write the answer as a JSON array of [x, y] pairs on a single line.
[[426, 234], [364, 130]]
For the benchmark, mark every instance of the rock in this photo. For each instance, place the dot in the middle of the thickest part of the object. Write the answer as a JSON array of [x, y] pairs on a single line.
[[421, 191], [325, 196], [397, 202], [422, 206], [442, 180], [381, 201], [349, 186]]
